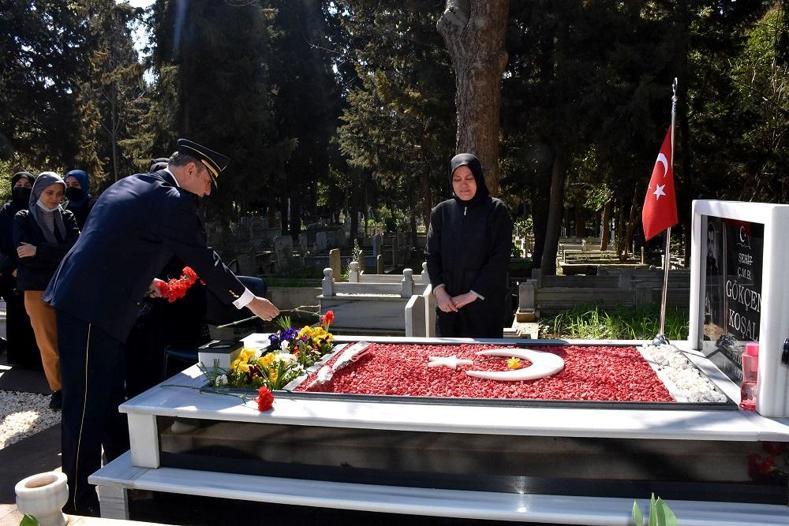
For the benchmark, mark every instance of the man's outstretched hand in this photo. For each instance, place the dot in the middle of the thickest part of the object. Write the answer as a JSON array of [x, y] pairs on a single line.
[[263, 308]]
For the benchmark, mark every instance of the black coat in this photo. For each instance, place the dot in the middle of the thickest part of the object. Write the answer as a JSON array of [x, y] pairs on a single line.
[[136, 226], [81, 212], [7, 247], [468, 248], [34, 272]]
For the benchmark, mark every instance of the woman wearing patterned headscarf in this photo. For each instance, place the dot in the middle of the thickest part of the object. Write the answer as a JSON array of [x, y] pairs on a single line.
[[43, 234]]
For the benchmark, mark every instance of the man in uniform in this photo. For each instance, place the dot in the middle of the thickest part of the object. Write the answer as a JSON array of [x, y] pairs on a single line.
[[137, 225]]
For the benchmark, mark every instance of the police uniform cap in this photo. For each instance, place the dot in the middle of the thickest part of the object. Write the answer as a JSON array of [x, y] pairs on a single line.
[[214, 161]]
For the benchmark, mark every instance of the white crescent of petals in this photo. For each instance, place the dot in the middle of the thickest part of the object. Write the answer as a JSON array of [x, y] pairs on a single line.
[[542, 364]]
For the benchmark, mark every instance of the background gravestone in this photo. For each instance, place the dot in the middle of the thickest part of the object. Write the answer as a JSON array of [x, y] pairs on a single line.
[[283, 249]]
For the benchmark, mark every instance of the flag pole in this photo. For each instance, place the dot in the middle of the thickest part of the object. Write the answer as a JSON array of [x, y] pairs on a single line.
[[661, 337]]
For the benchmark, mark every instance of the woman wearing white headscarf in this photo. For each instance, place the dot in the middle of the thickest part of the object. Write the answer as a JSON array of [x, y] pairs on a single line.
[[43, 233]]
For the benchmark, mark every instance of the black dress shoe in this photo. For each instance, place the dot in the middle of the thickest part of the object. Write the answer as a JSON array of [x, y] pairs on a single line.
[[56, 401]]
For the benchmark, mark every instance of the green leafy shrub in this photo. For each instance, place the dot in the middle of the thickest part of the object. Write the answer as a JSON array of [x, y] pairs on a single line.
[[619, 323]]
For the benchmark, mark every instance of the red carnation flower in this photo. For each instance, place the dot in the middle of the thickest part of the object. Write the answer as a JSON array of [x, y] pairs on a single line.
[[189, 274], [176, 288], [265, 399], [327, 318]]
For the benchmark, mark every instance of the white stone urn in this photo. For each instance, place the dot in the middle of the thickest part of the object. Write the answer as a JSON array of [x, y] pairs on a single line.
[[43, 496]]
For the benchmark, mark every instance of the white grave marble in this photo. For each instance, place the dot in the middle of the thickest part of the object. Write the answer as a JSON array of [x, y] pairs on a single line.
[[752, 239]]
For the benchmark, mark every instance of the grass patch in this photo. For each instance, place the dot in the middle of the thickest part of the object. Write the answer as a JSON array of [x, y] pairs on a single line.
[[620, 323]]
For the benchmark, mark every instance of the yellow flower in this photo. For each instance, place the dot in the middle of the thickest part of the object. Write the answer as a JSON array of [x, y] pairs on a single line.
[[240, 365], [266, 360], [246, 354], [513, 363]]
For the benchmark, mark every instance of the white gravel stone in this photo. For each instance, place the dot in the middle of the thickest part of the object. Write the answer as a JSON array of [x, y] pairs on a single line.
[[684, 381], [24, 414]]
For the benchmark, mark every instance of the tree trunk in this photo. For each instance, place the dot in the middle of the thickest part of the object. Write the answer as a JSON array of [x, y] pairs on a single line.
[[605, 235], [353, 211], [558, 175], [283, 216], [540, 219], [427, 197], [632, 223], [412, 229], [580, 223], [295, 219], [619, 230], [473, 31], [114, 134], [540, 198]]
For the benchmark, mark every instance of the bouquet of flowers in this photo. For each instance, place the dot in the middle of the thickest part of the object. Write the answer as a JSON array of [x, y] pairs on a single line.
[[288, 355], [176, 288]]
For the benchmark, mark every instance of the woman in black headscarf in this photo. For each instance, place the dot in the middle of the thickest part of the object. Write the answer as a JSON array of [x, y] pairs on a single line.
[[19, 335], [43, 234], [80, 202], [468, 249]]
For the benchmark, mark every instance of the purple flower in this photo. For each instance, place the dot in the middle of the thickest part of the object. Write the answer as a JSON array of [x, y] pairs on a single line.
[[276, 339]]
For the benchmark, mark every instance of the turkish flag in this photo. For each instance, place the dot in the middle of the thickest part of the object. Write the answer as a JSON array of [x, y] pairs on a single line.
[[660, 203]]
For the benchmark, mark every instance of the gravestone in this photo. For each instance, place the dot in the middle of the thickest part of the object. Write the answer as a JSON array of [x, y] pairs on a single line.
[[377, 242], [335, 263], [740, 292], [354, 272], [283, 249], [321, 241]]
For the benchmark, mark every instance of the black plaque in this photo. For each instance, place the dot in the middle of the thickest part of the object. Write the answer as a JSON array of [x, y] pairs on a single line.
[[733, 290]]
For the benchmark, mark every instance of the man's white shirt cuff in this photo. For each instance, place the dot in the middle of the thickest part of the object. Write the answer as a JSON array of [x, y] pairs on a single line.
[[244, 299]]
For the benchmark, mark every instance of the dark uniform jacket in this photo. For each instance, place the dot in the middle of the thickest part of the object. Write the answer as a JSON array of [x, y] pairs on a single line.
[[136, 226], [35, 272]]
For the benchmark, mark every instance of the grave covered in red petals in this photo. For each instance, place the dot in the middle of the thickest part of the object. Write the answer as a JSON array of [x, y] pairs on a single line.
[[603, 373]]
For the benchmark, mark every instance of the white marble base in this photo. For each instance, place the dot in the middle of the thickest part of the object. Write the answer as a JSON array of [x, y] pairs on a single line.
[[113, 501], [552, 509], [180, 397]]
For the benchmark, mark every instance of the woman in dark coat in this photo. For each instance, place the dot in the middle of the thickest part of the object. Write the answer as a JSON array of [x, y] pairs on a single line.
[[43, 234], [468, 249], [20, 343]]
